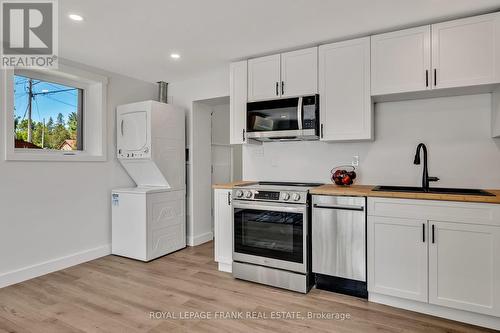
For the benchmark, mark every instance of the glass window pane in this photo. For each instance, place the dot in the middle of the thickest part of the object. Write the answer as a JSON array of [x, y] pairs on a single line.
[[47, 115]]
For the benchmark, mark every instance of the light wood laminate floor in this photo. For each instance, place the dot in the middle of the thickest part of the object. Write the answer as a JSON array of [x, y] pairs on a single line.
[[115, 294]]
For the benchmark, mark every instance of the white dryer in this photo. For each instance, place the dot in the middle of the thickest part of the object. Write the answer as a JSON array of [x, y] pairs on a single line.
[[149, 221]]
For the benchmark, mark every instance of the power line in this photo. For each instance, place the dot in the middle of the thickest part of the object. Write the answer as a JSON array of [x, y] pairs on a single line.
[[51, 92], [54, 99], [58, 87]]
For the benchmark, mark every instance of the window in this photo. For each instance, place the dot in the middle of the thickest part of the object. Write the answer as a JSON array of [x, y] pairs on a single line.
[[54, 114], [47, 115]]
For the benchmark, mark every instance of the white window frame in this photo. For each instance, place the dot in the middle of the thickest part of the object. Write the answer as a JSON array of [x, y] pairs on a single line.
[[94, 114]]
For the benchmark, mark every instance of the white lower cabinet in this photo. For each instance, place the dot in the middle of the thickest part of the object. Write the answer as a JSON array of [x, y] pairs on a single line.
[[223, 229], [464, 267], [397, 257], [444, 255]]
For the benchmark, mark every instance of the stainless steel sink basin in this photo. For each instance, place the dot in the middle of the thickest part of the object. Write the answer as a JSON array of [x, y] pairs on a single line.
[[437, 190]]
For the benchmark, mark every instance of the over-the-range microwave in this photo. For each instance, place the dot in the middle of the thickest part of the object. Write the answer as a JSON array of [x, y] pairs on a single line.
[[286, 119]]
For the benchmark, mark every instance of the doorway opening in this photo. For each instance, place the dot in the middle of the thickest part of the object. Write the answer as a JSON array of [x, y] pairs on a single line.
[[213, 161]]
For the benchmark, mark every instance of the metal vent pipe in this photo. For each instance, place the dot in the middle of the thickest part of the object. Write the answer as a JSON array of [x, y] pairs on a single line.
[[163, 92]]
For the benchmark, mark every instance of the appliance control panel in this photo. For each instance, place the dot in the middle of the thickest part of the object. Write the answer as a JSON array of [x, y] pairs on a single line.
[[279, 196], [266, 195], [145, 153]]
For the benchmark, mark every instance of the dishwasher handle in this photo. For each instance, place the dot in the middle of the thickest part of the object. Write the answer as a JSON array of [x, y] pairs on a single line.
[[341, 207]]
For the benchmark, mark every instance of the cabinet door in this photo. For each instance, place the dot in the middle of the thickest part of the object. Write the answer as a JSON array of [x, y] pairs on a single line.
[[223, 229], [299, 72], [264, 78], [238, 101], [344, 88], [401, 61], [466, 52], [464, 267], [397, 257]]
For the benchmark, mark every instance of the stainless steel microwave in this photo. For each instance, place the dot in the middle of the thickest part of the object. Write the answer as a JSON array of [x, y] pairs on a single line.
[[288, 119]]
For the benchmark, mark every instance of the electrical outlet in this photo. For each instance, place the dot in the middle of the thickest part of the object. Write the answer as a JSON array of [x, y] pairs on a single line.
[[355, 161]]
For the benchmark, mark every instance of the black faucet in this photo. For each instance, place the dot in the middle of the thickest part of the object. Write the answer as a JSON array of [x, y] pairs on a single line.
[[425, 176]]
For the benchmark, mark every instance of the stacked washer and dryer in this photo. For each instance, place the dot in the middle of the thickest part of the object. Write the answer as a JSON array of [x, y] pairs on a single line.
[[148, 221]]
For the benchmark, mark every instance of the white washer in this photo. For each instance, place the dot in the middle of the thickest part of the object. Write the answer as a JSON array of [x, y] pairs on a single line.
[[148, 222]]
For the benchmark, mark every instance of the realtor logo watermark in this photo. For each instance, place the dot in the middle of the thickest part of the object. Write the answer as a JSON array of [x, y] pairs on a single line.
[[29, 33]]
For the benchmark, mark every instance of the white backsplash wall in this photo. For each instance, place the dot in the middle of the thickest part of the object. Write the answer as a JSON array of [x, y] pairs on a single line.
[[456, 131]]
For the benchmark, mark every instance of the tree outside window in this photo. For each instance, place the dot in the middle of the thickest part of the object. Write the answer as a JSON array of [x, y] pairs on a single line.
[[47, 115]]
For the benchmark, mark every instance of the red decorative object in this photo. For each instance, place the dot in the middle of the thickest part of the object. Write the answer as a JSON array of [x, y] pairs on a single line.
[[343, 177]]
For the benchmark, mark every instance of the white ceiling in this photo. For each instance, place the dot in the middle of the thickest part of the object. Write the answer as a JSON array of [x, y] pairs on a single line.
[[136, 37]]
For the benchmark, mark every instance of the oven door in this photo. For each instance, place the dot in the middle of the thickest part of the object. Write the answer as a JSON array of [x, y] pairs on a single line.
[[271, 234]]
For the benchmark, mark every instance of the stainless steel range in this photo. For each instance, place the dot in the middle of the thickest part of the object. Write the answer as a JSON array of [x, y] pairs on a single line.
[[271, 240]]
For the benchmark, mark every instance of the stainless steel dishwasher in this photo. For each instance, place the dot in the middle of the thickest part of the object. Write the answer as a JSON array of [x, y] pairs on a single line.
[[339, 244]]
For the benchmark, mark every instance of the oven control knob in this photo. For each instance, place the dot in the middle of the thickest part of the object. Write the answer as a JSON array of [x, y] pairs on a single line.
[[286, 196], [248, 194], [239, 193], [296, 197]]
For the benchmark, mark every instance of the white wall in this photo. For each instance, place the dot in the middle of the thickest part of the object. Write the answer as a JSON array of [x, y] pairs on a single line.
[[55, 210], [185, 93], [221, 135], [456, 131], [199, 227], [220, 124]]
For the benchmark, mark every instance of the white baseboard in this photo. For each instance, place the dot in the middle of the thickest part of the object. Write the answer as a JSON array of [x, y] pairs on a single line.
[[30, 272], [200, 239], [223, 267], [438, 311]]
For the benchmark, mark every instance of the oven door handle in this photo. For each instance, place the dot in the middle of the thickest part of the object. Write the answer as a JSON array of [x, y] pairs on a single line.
[[299, 113], [270, 207]]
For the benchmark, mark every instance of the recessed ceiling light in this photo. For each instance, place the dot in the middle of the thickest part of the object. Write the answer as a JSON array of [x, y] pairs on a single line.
[[175, 56], [75, 17]]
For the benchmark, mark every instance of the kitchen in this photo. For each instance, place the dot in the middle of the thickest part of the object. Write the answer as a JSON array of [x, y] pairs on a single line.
[[381, 243], [309, 166]]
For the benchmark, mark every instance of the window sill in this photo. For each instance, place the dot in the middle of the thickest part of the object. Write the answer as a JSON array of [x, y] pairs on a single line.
[[53, 156]]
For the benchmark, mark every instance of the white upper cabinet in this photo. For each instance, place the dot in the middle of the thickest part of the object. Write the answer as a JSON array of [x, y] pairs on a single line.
[[299, 72], [238, 101], [457, 54], [466, 52], [264, 78], [344, 89], [283, 75], [464, 267], [401, 61]]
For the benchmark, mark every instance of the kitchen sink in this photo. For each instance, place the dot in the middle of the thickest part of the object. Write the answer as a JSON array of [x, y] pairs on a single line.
[[437, 190]]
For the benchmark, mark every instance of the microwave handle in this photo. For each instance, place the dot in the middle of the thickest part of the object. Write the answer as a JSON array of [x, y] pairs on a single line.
[[300, 111]]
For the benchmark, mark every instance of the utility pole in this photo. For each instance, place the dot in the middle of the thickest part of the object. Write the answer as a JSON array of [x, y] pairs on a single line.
[[30, 98], [43, 134]]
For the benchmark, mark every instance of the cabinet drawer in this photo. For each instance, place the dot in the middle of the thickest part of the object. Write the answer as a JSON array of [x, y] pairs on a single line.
[[451, 211]]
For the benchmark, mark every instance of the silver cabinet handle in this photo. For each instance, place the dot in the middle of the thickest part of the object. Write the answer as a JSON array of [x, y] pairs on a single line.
[[121, 127], [340, 207], [299, 113]]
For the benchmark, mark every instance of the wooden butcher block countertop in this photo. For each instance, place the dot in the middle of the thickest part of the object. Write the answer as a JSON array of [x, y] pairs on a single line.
[[228, 186], [366, 191]]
